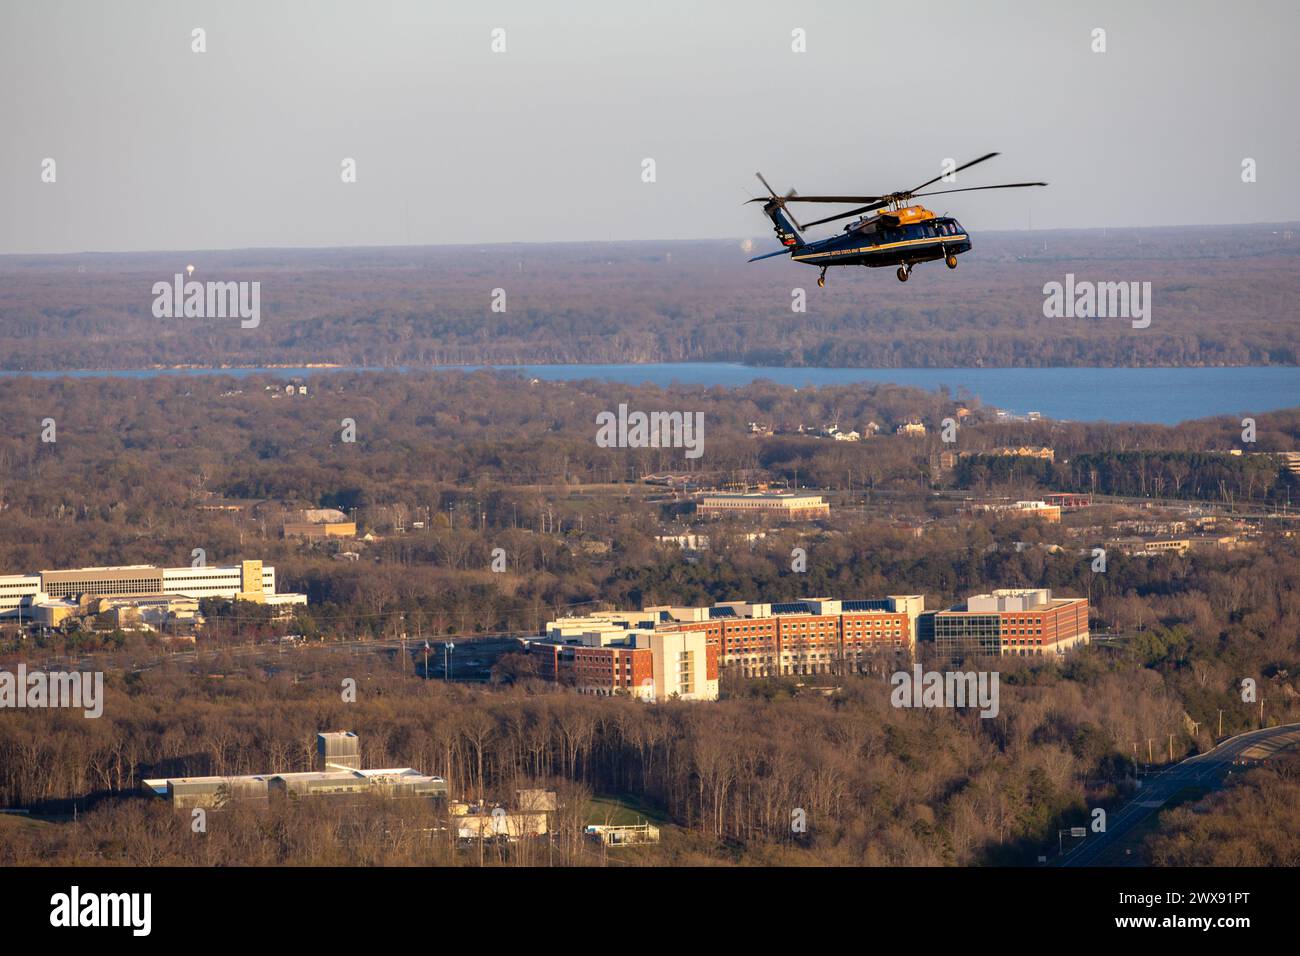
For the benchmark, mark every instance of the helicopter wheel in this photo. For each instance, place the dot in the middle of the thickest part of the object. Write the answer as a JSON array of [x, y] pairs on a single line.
[[821, 280], [903, 273], [951, 261]]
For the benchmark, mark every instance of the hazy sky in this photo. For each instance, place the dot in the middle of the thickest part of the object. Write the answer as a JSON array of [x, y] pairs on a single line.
[[158, 147]]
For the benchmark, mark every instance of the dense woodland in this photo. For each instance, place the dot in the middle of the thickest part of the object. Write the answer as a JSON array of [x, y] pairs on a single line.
[[492, 460], [879, 785], [1221, 296]]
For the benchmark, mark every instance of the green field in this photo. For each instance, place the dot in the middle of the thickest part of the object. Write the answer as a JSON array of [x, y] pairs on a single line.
[[622, 810]]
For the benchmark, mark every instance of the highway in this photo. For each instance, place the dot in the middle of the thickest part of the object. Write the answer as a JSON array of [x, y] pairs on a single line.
[[1254, 508], [208, 655], [1206, 770]]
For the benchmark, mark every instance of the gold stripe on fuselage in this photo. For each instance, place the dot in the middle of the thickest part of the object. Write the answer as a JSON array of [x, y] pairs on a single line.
[[865, 250]]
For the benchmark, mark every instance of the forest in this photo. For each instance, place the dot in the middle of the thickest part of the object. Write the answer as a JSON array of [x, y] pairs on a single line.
[[878, 785], [1221, 296], [490, 460], [1253, 822], [485, 460]]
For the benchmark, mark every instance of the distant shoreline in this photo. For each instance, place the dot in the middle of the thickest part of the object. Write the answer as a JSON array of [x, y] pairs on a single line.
[[146, 370], [1161, 395]]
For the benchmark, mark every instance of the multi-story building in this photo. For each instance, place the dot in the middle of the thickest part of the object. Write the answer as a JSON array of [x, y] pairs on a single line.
[[604, 653], [633, 658], [795, 505], [18, 591], [248, 581], [1142, 547], [1012, 621]]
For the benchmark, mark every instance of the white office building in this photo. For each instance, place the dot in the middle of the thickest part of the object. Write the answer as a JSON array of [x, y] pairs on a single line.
[[247, 581]]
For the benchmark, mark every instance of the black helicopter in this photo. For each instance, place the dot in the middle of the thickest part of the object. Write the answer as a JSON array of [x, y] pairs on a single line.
[[902, 234]]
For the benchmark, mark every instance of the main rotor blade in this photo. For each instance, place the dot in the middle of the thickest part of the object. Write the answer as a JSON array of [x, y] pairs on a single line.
[[971, 189], [791, 196], [766, 184], [951, 172], [835, 198], [845, 215]]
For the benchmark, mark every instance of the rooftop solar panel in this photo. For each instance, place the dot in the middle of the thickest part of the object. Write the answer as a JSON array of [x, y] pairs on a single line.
[[864, 605], [796, 607]]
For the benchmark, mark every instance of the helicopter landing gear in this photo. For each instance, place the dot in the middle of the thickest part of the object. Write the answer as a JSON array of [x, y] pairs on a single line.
[[903, 273], [951, 261], [821, 279]]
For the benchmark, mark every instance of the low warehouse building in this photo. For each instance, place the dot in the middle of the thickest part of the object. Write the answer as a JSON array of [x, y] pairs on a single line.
[[338, 771]]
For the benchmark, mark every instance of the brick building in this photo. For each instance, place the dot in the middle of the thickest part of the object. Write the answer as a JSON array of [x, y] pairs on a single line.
[[614, 652], [1023, 622]]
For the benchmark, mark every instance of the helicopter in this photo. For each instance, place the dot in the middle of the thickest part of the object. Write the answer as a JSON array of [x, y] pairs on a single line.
[[901, 234]]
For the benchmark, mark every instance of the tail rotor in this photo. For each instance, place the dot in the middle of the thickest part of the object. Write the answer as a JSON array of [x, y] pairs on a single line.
[[774, 207]]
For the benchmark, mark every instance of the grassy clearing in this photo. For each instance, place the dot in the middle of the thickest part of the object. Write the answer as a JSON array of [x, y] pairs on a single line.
[[18, 822], [622, 810]]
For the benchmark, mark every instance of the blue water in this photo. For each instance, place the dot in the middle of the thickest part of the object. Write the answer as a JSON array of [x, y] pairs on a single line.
[[1161, 395]]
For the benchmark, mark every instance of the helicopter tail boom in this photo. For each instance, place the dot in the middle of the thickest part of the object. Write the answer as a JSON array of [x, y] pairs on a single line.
[[786, 230]]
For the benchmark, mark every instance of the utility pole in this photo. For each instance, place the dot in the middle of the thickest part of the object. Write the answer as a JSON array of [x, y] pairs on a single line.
[[1171, 748], [1220, 721]]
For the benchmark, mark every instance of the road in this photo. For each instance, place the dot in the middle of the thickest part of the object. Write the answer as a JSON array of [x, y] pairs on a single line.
[[1254, 509], [91, 662], [1206, 770]]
